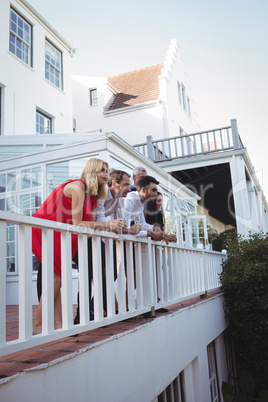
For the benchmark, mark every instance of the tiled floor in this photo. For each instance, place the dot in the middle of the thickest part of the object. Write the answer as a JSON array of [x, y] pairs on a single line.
[[14, 363]]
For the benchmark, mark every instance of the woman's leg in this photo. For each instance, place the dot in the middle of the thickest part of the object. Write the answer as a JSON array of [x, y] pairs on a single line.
[[57, 307], [38, 318], [57, 302]]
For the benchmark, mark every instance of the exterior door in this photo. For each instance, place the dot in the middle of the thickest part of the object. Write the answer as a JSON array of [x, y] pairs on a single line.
[[197, 226]]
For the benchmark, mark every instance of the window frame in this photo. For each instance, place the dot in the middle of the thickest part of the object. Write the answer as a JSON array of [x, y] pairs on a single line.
[[46, 117], [189, 107], [52, 64], [213, 373], [15, 190], [93, 97], [175, 391], [18, 38]]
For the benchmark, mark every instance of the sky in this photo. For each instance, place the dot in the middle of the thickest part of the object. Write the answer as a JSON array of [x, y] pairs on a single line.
[[223, 45]]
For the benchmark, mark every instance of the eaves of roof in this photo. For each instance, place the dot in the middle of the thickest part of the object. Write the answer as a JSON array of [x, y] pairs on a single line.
[[133, 108]]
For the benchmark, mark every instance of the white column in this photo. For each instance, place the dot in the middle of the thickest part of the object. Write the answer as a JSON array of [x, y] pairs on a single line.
[[240, 194], [253, 206], [260, 211]]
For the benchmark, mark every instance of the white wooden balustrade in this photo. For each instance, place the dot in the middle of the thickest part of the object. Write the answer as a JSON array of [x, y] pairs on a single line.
[[153, 273], [200, 143]]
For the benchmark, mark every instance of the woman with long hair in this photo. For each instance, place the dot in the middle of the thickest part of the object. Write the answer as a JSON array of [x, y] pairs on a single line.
[[72, 202], [154, 211], [154, 215]]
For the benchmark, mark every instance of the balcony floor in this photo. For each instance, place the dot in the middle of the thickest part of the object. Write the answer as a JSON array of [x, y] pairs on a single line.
[[24, 360]]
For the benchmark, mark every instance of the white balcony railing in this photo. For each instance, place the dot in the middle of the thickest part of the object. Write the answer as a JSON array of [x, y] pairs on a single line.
[[195, 144], [164, 274]]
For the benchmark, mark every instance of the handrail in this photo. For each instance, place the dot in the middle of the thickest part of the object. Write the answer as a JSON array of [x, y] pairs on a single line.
[[184, 136], [165, 274], [194, 144]]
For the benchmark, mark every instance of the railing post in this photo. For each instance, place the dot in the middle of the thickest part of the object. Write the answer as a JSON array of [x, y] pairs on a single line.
[[83, 278], [3, 283], [47, 281], [66, 279], [147, 273], [204, 266], [150, 147], [236, 139], [25, 282]]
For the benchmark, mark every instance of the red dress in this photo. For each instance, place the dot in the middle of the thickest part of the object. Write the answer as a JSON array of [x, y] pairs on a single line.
[[57, 207]]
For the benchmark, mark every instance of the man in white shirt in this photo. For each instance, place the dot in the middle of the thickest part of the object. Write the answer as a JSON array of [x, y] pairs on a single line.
[[133, 211], [111, 208]]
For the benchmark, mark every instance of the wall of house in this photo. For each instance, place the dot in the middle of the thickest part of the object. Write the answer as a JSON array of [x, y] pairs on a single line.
[[173, 73], [88, 117], [24, 88], [134, 124], [136, 365], [162, 118]]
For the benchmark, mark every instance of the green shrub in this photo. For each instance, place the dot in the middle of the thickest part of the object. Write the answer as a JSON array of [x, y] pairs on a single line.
[[245, 284], [221, 241]]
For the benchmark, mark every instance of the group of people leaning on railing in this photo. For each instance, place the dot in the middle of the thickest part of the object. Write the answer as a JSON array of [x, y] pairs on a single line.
[[103, 201]]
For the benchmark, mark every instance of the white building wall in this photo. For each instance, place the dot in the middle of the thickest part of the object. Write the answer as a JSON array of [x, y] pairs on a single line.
[[88, 118], [172, 73], [25, 88], [133, 126]]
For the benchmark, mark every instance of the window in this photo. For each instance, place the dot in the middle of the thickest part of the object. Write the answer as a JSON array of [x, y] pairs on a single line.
[[8, 203], [182, 96], [20, 39], [59, 172], [43, 124], [189, 107], [179, 93], [20, 193], [31, 178], [93, 97], [8, 182], [230, 360], [53, 65], [174, 391], [213, 375]]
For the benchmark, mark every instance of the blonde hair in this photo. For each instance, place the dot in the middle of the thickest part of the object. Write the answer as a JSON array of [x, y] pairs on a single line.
[[89, 176]]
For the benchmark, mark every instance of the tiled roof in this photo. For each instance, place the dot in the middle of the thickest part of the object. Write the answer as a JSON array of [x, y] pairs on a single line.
[[136, 87]]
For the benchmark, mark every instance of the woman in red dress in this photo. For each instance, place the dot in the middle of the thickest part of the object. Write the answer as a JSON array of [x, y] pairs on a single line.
[[72, 202]]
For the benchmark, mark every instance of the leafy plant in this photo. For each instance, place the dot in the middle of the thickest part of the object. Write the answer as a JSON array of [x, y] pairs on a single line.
[[221, 241], [247, 390], [245, 284]]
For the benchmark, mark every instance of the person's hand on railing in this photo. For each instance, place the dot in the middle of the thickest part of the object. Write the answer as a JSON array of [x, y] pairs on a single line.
[[116, 226], [170, 238], [157, 235], [135, 229]]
